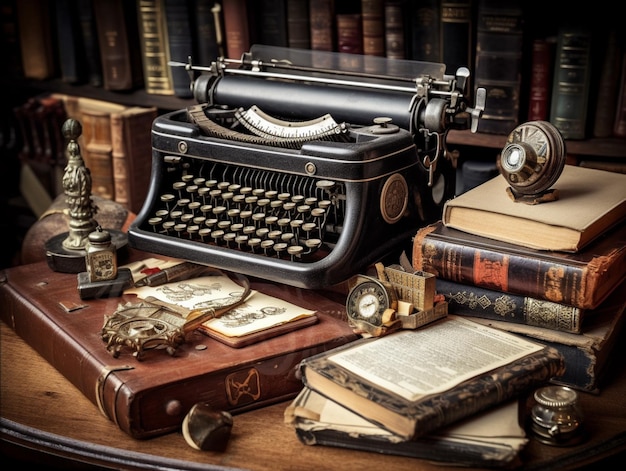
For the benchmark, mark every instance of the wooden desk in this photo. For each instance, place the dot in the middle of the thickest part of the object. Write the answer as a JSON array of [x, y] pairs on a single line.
[[46, 420]]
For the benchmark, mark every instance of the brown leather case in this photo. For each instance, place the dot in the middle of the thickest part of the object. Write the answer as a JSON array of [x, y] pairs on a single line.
[[152, 396]]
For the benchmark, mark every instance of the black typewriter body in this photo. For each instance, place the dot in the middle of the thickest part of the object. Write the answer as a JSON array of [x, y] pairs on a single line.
[[308, 199]]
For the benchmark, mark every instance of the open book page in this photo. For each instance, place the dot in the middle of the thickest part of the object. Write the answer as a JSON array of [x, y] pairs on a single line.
[[414, 364], [258, 312]]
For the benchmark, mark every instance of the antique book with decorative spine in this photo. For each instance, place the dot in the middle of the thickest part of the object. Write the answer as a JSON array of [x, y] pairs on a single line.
[[118, 38], [238, 29], [541, 68], [97, 150], [498, 64], [413, 382], [151, 397], [572, 82], [588, 354], [425, 30], [181, 44], [131, 146], [154, 44], [373, 18], [322, 21], [583, 279], [395, 29], [457, 34], [476, 301]]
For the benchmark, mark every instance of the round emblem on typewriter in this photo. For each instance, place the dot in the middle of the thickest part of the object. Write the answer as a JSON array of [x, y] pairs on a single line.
[[369, 301], [394, 198]]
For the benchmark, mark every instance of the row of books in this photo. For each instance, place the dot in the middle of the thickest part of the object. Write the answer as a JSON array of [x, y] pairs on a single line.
[[115, 146]]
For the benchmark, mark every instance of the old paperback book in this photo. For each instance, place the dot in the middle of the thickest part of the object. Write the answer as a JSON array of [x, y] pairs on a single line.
[[590, 202], [493, 438], [583, 279], [587, 355], [151, 397], [414, 382]]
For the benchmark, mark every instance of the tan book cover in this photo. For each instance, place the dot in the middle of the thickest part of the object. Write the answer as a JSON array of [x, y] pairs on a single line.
[[590, 202]]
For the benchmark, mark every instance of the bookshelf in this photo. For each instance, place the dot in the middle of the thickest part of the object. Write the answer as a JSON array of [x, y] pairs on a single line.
[[537, 23]]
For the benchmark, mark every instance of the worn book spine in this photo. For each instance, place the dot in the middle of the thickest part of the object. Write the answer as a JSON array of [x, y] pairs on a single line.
[[72, 56], [272, 19], [395, 29], [322, 21], [155, 49], [582, 282], [373, 18], [498, 64], [97, 152], [588, 355], [349, 33], [207, 17], [605, 105], [475, 301], [131, 148], [298, 25], [118, 38], [572, 83], [37, 39], [89, 37], [457, 34], [425, 30], [151, 397], [438, 410], [181, 44], [619, 127], [237, 28], [541, 67]]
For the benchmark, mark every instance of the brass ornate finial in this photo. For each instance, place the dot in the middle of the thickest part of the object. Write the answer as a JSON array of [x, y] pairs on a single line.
[[77, 187]]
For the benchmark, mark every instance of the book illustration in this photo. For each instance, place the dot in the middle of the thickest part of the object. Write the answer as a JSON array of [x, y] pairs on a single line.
[[259, 312]]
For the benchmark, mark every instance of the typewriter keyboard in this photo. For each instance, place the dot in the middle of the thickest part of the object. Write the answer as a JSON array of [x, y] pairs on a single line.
[[251, 210]]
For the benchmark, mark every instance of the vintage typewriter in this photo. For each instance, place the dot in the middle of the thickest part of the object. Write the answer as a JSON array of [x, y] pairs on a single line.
[[302, 167]]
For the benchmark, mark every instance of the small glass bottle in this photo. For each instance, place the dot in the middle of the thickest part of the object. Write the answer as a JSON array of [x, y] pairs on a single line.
[[101, 257], [556, 416]]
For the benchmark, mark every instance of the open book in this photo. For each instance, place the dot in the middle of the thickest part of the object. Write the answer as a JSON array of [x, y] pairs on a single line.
[[493, 438], [260, 317], [413, 382]]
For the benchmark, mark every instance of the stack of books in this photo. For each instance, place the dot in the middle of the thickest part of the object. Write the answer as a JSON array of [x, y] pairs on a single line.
[[553, 272], [445, 392]]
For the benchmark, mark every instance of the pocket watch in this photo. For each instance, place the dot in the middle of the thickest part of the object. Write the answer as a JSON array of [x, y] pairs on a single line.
[[371, 304]]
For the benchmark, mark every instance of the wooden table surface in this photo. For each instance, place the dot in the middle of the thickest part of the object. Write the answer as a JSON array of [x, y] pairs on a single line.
[[44, 412]]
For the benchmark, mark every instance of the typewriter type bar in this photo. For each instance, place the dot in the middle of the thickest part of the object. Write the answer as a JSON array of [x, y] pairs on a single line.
[[298, 174]]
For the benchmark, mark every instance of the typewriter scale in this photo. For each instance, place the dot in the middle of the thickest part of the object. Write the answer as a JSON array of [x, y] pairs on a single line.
[[302, 174]]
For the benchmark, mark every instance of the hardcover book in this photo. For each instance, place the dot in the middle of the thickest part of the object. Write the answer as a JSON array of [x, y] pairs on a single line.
[[475, 301], [37, 38], [541, 67], [457, 34], [414, 382], [493, 438], [498, 65], [425, 30], [373, 18], [131, 147], [298, 25], [572, 82], [118, 38], [155, 48], [590, 202], [151, 397], [181, 41], [581, 280], [587, 355]]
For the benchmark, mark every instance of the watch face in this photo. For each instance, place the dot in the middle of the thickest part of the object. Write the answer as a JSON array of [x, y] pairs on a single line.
[[368, 301]]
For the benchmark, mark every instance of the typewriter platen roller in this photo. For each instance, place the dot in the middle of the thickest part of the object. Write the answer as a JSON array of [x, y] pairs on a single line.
[[302, 167]]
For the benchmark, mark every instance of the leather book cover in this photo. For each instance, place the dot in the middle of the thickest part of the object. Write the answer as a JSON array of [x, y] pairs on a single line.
[[583, 279], [118, 37], [152, 396], [298, 26], [181, 42], [540, 88], [154, 45], [425, 30]]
